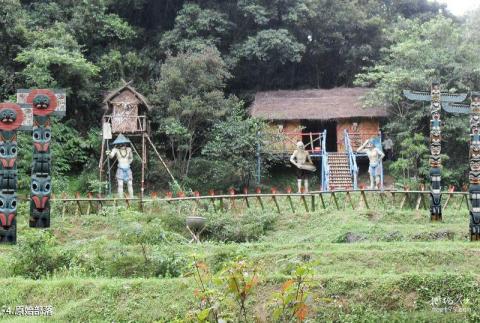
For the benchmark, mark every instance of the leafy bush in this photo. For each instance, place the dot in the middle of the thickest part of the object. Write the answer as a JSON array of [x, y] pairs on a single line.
[[229, 226], [36, 255], [113, 259], [249, 226]]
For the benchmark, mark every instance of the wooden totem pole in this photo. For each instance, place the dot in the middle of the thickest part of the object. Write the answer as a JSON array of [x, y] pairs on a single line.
[[45, 103], [12, 118], [474, 174], [436, 99]]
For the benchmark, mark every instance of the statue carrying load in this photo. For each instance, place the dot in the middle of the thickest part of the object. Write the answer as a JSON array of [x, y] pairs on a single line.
[[302, 160], [123, 152], [375, 157]]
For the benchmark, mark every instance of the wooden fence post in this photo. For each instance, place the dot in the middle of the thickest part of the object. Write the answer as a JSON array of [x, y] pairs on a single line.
[[289, 198], [274, 198]]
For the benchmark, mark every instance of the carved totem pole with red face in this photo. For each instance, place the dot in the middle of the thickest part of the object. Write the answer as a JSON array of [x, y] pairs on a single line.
[[12, 118], [45, 103]]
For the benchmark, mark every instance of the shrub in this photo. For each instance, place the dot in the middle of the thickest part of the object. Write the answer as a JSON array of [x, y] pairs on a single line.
[[37, 255], [248, 226]]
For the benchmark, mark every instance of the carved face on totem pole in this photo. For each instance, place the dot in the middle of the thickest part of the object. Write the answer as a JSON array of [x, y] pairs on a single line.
[[436, 148], [435, 161], [41, 188], [8, 209], [44, 102], [435, 135], [42, 134]]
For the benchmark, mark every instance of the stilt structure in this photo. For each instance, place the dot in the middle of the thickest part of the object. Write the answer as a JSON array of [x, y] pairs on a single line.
[[437, 99], [126, 114]]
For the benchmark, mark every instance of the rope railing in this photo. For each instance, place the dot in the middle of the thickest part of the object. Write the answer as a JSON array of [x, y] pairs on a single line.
[[325, 167], [352, 161]]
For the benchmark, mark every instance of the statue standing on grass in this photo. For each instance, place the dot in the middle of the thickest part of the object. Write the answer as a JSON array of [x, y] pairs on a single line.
[[375, 157], [124, 157], [301, 159]]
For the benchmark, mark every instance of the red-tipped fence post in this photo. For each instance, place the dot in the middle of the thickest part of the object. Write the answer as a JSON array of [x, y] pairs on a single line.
[[289, 191], [274, 198], [258, 190]]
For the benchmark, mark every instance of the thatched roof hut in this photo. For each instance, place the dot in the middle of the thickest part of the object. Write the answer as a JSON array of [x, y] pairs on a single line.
[[316, 110], [317, 104], [124, 93], [126, 110]]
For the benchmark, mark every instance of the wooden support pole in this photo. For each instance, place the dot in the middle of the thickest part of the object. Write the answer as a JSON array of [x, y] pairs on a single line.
[[127, 201], [64, 206], [232, 199], [258, 190], [335, 200], [245, 192], [321, 199], [382, 199], [313, 203], [89, 206], [274, 198], [419, 200], [79, 207], [350, 200], [364, 197], [402, 203], [222, 206], [212, 199], [305, 204], [450, 189]]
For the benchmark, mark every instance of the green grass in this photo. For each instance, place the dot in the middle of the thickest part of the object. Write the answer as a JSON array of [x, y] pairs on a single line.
[[397, 263]]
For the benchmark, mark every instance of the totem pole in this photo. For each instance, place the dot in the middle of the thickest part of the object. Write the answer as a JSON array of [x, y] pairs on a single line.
[[437, 99], [45, 103], [474, 174], [12, 118]]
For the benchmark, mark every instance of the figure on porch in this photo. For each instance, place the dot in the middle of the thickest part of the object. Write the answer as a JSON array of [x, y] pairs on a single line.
[[301, 159], [375, 157], [124, 157]]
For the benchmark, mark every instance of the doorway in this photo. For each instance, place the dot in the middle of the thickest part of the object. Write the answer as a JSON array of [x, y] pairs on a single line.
[[320, 126]]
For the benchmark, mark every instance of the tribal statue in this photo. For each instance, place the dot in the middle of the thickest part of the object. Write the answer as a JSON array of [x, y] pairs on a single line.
[[375, 156], [45, 103], [302, 160], [124, 157], [438, 101], [11, 119]]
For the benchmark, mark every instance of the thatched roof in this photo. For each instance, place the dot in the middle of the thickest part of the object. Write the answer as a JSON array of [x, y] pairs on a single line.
[[125, 87], [336, 103]]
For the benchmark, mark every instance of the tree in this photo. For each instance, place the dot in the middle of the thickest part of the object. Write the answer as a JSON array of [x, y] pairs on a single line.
[[234, 141], [189, 99], [420, 52]]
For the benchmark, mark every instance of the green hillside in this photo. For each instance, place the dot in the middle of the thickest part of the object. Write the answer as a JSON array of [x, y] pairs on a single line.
[[127, 266]]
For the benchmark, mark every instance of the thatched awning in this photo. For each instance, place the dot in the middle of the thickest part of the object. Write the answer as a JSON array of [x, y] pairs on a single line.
[[336, 103]]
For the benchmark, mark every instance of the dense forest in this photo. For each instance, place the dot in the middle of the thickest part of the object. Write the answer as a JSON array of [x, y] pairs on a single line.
[[200, 62]]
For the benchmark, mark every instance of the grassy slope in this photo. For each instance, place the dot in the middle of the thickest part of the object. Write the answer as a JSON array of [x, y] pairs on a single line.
[[401, 262]]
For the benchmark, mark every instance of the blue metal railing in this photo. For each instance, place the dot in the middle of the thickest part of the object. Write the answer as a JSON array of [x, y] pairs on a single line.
[[325, 168], [352, 161]]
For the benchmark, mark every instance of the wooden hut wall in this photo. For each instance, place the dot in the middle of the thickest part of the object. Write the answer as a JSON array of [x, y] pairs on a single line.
[[365, 126]]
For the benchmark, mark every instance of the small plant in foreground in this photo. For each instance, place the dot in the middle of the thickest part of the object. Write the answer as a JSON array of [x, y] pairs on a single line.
[[221, 293], [290, 302]]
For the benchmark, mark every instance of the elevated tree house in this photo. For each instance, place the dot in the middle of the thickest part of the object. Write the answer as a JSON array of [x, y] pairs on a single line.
[[126, 113]]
